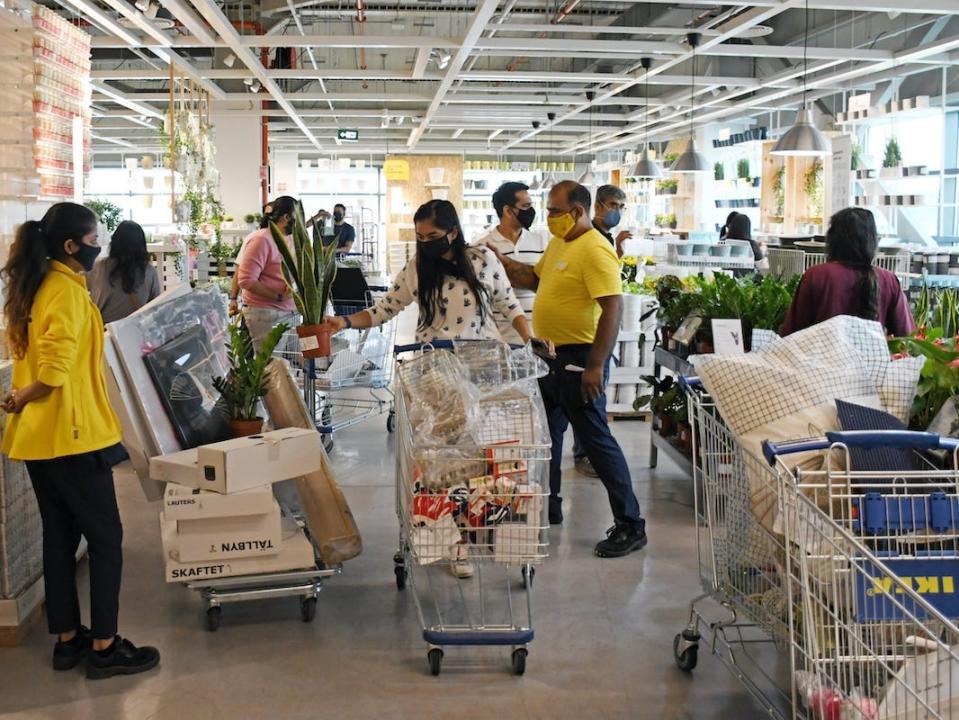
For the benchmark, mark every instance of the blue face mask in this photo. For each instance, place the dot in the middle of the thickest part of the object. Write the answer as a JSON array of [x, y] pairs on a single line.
[[612, 218]]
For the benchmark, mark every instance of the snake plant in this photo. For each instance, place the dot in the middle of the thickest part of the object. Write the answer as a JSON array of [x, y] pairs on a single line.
[[309, 268]]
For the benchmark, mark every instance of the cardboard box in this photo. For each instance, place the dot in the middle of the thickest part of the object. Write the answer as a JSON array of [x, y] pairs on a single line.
[[236, 465], [296, 553], [229, 537], [517, 543], [185, 503]]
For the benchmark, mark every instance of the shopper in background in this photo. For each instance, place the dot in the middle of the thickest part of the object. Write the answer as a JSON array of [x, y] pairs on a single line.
[[235, 285], [848, 283], [608, 213], [512, 238], [61, 424], [259, 271], [739, 227], [344, 233], [578, 307], [125, 281]]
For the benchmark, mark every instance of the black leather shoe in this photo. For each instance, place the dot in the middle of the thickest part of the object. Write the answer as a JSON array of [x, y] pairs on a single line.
[[621, 540], [122, 658], [67, 655]]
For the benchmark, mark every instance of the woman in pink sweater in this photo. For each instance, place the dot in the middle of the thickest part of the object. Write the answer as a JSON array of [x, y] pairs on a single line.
[[266, 297]]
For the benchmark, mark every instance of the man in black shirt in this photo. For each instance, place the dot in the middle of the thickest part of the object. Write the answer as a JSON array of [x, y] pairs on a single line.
[[344, 233], [607, 213]]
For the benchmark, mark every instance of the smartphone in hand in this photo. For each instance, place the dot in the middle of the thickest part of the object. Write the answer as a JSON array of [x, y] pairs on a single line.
[[541, 348]]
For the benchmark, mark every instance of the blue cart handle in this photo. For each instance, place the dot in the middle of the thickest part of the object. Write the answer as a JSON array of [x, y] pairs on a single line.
[[688, 383], [902, 439]]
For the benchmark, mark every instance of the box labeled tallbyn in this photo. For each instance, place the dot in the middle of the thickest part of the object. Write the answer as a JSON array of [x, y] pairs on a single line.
[[235, 465], [229, 537], [185, 503], [296, 553]]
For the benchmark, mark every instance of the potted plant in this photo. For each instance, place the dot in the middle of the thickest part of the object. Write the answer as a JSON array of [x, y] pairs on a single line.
[[815, 191], [742, 169], [309, 268], [106, 212], [892, 159], [245, 386], [667, 402], [719, 172], [671, 219]]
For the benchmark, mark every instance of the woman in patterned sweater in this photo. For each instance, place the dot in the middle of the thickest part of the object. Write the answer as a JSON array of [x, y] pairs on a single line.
[[457, 287]]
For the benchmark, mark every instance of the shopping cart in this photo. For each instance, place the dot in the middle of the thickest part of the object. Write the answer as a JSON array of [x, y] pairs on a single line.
[[841, 580], [787, 262], [353, 384], [471, 483]]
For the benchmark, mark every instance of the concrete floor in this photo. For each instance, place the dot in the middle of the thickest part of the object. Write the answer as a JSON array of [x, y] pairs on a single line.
[[603, 647]]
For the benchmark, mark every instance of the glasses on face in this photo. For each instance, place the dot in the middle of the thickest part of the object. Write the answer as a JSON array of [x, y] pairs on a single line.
[[615, 206]]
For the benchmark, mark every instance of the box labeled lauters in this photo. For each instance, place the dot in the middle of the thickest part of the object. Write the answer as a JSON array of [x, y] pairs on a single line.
[[185, 503], [295, 553], [229, 537], [236, 465]]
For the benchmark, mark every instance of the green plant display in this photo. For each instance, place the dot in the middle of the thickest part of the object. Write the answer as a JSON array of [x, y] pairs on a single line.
[[815, 189], [668, 186], [245, 386], [309, 269], [106, 212], [779, 189], [893, 156], [742, 169], [669, 401], [669, 159], [939, 378], [719, 172], [855, 158]]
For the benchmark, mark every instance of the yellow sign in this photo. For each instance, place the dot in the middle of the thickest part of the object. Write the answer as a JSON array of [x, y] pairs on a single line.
[[396, 170]]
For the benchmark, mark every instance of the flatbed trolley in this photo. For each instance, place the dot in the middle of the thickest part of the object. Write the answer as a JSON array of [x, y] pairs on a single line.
[[483, 499], [844, 580]]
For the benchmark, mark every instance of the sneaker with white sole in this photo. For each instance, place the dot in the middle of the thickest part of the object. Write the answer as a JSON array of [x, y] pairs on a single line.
[[460, 565]]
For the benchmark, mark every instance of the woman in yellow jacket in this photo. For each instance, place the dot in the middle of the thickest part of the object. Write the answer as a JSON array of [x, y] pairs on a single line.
[[61, 424]]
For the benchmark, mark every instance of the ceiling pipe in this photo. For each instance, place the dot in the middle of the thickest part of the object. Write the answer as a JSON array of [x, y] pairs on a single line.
[[560, 16], [361, 22]]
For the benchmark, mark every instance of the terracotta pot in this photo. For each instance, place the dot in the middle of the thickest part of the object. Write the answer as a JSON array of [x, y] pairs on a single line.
[[666, 425], [243, 428], [667, 335], [315, 339], [686, 438]]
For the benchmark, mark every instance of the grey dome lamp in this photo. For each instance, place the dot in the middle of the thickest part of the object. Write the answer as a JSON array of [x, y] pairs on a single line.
[[691, 161], [646, 167], [587, 178], [550, 179], [803, 139], [537, 184]]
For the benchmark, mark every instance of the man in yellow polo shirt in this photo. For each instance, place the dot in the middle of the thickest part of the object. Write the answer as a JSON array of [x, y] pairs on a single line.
[[578, 306]]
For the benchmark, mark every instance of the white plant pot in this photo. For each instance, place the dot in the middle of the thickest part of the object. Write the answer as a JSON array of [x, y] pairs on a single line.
[[147, 182], [626, 394], [632, 310], [437, 175], [440, 193]]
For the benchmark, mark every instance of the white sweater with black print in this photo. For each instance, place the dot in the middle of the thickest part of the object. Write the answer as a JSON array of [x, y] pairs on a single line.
[[457, 316]]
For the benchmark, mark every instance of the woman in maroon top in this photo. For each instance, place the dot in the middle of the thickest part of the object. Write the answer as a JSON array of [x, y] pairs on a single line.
[[849, 284]]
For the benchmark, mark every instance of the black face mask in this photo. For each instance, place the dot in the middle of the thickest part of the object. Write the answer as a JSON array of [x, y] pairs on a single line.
[[337, 216], [433, 249], [526, 216], [86, 256]]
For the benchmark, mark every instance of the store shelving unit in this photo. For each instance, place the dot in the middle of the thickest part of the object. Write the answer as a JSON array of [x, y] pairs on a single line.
[[665, 360]]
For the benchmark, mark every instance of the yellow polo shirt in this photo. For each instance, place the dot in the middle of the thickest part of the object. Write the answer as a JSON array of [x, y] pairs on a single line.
[[572, 274]]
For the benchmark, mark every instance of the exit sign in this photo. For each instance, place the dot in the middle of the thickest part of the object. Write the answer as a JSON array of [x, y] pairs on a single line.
[[348, 135]]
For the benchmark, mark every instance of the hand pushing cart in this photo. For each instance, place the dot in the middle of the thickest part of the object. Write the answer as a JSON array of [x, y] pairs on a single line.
[[845, 579], [470, 488]]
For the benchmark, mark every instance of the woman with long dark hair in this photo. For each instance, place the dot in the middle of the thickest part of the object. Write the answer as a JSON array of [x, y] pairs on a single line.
[[61, 425], [739, 227], [848, 283], [456, 286], [127, 280]]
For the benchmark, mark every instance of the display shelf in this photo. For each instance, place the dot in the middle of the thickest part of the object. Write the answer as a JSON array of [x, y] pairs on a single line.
[[663, 445]]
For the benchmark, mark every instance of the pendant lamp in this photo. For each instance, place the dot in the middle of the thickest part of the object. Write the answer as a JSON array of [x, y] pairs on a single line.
[[691, 161], [550, 179], [803, 139], [587, 178], [536, 184], [646, 167]]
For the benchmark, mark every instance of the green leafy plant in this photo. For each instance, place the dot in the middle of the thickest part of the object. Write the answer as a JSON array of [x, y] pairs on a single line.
[[893, 156], [669, 400], [245, 386], [779, 190], [669, 159], [815, 189], [309, 269], [742, 169], [922, 307], [945, 312], [719, 172], [855, 158], [939, 378], [669, 186], [106, 212]]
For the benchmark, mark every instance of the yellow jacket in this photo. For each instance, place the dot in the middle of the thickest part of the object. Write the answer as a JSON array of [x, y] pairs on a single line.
[[64, 351]]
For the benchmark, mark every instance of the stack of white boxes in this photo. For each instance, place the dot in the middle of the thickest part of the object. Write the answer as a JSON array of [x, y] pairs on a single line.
[[220, 518]]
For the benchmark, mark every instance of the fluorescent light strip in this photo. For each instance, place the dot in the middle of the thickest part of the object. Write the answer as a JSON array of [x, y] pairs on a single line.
[[139, 108]]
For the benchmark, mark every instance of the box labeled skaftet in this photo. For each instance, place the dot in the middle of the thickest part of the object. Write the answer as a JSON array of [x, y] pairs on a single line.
[[186, 503], [236, 465]]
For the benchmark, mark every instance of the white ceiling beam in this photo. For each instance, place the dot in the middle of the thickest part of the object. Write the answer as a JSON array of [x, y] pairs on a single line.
[[131, 104], [222, 25], [240, 73], [457, 133], [302, 41], [419, 66], [480, 18], [568, 27], [591, 78], [185, 14], [114, 141]]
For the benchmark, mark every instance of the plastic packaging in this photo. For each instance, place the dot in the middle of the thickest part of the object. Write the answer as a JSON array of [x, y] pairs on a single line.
[[441, 402], [490, 364]]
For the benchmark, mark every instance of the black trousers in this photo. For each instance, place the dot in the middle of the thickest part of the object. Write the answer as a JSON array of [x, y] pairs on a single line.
[[76, 497]]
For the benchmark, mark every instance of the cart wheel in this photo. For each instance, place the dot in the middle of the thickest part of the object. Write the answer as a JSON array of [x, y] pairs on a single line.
[[391, 422], [519, 661], [529, 572], [435, 657], [308, 609], [213, 618], [327, 442], [400, 571], [687, 659]]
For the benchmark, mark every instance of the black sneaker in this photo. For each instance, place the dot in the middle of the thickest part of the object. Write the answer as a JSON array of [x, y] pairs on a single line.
[[555, 514], [67, 655], [121, 658], [620, 540]]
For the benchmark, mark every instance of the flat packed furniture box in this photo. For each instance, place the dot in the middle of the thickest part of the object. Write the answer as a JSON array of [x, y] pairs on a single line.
[[243, 463], [186, 503]]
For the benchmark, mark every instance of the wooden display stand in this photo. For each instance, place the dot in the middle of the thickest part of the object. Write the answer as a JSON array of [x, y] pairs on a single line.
[[795, 215]]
